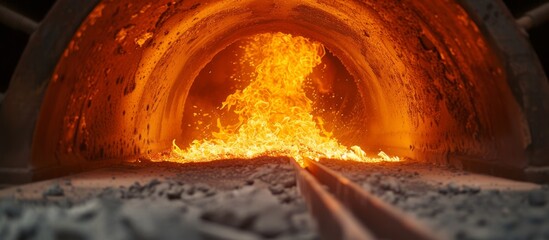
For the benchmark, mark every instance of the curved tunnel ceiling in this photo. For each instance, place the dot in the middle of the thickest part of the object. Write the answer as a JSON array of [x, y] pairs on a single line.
[[432, 85]]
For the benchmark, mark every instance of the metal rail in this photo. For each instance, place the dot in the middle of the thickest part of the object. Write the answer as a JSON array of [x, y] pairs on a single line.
[[334, 220], [376, 217]]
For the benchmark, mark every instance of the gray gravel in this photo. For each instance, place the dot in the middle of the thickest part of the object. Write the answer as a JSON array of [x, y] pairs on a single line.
[[54, 190], [263, 205], [455, 210], [257, 199]]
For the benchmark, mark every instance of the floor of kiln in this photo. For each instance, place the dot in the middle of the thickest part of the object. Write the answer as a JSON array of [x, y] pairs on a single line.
[[236, 199], [254, 199], [456, 204]]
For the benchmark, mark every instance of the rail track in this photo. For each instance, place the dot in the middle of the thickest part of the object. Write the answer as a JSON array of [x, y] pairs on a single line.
[[346, 211], [273, 198]]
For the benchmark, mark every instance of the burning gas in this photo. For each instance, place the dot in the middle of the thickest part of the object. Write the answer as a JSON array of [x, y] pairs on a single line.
[[274, 114]]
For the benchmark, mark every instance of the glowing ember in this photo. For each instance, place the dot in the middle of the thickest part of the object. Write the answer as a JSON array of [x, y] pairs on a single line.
[[273, 110]]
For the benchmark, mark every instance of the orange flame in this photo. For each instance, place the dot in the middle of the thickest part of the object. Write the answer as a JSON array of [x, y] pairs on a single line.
[[273, 110]]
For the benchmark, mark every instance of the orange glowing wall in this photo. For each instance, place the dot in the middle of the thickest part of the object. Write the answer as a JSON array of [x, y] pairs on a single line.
[[430, 85]]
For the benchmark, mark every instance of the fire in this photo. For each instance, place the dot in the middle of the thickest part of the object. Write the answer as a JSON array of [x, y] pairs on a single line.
[[274, 113]]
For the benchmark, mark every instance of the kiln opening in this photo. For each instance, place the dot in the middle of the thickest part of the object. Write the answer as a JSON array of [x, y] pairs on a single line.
[[274, 83], [438, 81]]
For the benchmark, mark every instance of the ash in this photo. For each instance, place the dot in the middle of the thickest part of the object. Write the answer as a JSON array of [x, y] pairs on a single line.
[[459, 208], [257, 201]]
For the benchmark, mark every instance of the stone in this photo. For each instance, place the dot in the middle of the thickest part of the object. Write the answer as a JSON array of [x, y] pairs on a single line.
[[190, 190], [159, 189], [174, 193], [55, 190], [250, 182], [289, 182], [271, 223], [276, 189], [391, 184], [152, 183], [471, 189], [227, 217], [10, 209], [194, 195], [86, 211], [453, 188], [136, 188], [68, 230], [537, 198], [159, 219], [202, 187]]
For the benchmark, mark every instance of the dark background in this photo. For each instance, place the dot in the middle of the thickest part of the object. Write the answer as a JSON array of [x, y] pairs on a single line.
[[13, 42], [539, 36]]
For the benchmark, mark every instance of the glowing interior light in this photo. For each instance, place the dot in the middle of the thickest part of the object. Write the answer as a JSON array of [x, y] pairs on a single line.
[[274, 113]]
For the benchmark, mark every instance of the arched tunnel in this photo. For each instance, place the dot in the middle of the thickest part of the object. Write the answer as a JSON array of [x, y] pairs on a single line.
[[261, 119], [449, 82]]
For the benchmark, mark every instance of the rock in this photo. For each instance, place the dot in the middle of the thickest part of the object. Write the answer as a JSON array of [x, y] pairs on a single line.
[[190, 190], [453, 188], [194, 195], [135, 189], [110, 192], [390, 184], [285, 198], [159, 219], [537, 198], [443, 190], [227, 217], [537, 217], [390, 197], [210, 192], [367, 186], [510, 224], [250, 182], [303, 222], [289, 182], [276, 189], [27, 227], [159, 189], [174, 193], [202, 187], [152, 183], [477, 233], [413, 202], [471, 189], [481, 222], [86, 211], [271, 223], [495, 192], [431, 196], [68, 230], [10, 209], [54, 190]]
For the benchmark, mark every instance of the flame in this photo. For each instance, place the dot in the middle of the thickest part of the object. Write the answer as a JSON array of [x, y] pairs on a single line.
[[274, 113]]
